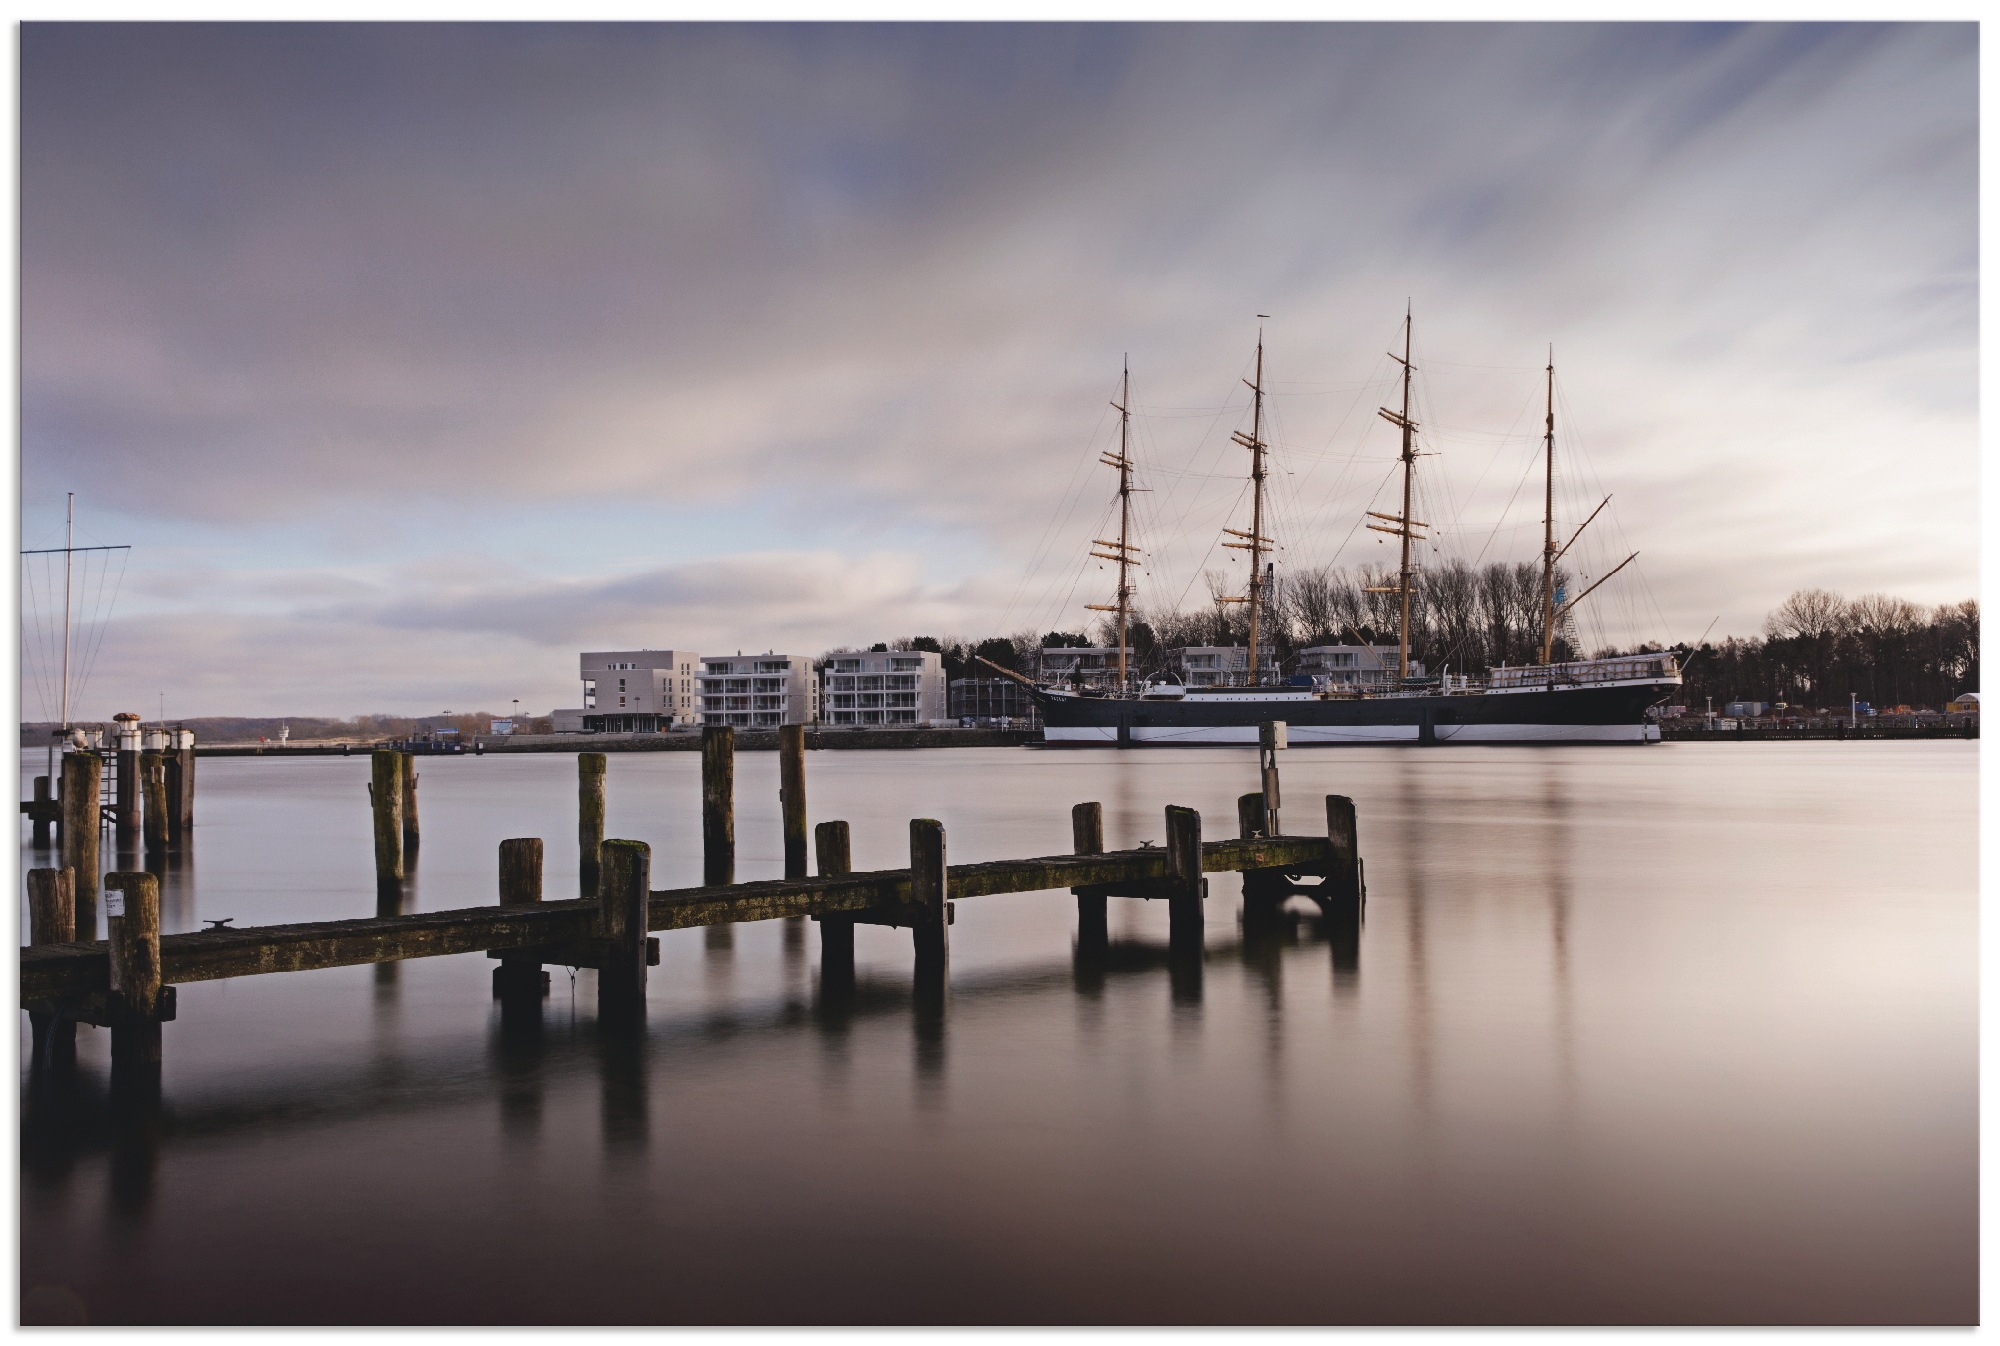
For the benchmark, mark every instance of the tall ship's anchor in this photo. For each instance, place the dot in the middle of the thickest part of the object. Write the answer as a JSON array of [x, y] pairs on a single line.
[[1573, 701]]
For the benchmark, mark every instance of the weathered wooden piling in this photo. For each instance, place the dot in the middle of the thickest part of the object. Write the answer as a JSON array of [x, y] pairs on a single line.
[[930, 928], [184, 832], [153, 790], [589, 819], [1187, 886], [81, 779], [622, 920], [412, 834], [385, 794], [1263, 890], [129, 794], [132, 908], [177, 775], [39, 817], [520, 979], [718, 804], [836, 929], [52, 920], [792, 796], [1343, 873], [1086, 827]]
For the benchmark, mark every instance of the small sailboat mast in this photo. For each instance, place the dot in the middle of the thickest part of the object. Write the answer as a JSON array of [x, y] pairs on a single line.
[[1254, 541], [1122, 550]]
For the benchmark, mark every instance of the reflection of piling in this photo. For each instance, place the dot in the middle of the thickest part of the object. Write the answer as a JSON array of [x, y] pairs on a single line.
[[411, 832], [137, 1004], [52, 920], [385, 794], [1086, 826], [589, 819], [718, 804], [81, 777], [622, 894]]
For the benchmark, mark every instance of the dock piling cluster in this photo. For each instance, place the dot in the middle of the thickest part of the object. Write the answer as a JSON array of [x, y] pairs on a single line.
[[126, 982]]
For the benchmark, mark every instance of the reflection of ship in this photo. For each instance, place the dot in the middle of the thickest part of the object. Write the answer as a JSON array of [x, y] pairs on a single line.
[[1583, 700]]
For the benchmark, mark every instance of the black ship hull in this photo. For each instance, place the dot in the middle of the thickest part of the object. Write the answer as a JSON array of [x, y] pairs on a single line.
[[1614, 713]]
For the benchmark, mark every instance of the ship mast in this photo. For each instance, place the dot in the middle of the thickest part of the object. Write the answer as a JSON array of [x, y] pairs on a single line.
[[1122, 550], [1403, 523], [1549, 519], [1254, 541], [69, 554]]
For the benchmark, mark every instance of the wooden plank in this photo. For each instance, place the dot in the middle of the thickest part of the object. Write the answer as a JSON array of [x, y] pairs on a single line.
[[55, 970]]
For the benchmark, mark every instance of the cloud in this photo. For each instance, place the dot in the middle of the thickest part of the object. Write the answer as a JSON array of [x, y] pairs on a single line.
[[863, 292]]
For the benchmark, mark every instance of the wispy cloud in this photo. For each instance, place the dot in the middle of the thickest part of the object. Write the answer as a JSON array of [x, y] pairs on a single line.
[[856, 296]]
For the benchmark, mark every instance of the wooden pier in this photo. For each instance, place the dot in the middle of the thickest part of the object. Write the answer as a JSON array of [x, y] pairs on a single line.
[[125, 983]]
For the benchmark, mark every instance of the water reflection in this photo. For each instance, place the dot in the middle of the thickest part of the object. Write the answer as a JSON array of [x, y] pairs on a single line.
[[1589, 1070]]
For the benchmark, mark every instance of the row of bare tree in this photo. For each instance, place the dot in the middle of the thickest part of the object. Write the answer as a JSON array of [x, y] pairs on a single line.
[[1818, 647]]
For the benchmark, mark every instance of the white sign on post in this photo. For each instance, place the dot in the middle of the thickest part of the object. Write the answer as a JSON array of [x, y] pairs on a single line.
[[114, 902]]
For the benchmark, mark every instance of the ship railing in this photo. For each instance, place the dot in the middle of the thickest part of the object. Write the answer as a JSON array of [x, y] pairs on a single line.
[[1580, 672]]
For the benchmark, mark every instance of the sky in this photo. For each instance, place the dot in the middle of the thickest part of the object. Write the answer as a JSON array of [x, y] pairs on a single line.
[[412, 360]]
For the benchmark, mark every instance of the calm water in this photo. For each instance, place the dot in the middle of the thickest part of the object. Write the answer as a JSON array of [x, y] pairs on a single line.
[[1680, 1034]]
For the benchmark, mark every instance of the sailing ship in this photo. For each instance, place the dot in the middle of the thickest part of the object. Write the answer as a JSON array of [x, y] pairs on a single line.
[[1571, 701]]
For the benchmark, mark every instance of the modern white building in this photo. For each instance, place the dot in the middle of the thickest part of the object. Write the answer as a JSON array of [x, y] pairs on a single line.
[[884, 687], [1217, 665], [758, 691], [1347, 666], [634, 691]]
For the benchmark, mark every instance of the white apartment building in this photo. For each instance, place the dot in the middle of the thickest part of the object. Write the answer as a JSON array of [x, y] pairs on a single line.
[[892, 687], [1345, 666], [1215, 665], [628, 691], [758, 691]]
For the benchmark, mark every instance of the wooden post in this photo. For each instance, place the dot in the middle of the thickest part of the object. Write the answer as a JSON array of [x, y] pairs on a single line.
[[931, 931], [520, 980], [1249, 816], [836, 930], [1086, 829], [129, 796], [81, 773], [718, 804], [1344, 845], [589, 819], [792, 796], [187, 790], [1184, 912], [39, 837], [178, 772], [410, 829], [153, 787], [385, 793], [132, 904], [621, 915], [1263, 890], [52, 920]]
